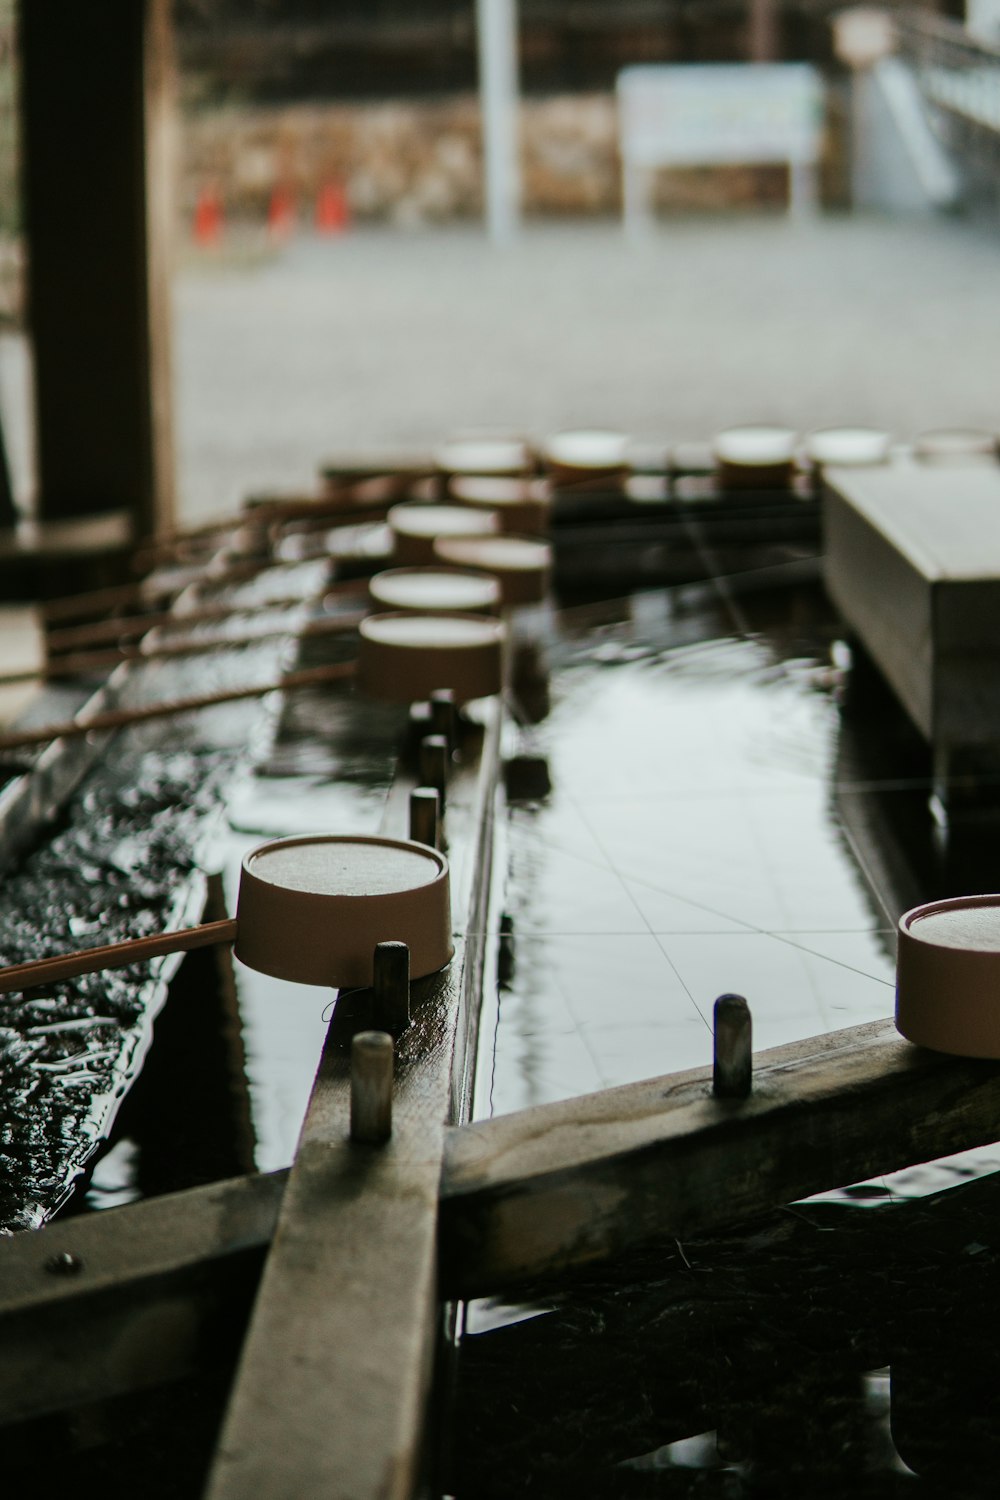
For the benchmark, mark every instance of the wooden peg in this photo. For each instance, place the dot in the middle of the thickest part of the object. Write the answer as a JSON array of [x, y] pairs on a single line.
[[392, 986], [372, 1055], [425, 806], [443, 718], [434, 765], [732, 1066]]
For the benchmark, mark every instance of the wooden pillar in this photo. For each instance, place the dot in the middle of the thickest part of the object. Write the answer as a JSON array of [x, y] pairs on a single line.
[[497, 30], [762, 30], [96, 101]]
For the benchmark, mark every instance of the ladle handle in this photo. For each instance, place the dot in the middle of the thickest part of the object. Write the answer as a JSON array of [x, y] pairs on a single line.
[[118, 718], [75, 662], [115, 955], [76, 606]]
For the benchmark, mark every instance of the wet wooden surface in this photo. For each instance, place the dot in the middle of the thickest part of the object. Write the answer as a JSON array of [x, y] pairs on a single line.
[[331, 1390], [536, 1193], [110, 1303]]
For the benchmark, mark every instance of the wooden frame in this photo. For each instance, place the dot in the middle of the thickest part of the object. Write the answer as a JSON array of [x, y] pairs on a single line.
[[331, 1394], [336, 1368]]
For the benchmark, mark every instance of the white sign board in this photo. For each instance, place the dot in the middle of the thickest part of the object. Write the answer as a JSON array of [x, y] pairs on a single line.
[[708, 114]]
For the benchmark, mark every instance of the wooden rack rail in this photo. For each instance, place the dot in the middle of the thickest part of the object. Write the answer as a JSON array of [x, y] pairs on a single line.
[[330, 1393]]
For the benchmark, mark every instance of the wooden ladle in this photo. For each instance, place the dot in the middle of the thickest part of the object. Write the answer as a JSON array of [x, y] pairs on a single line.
[[310, 909]]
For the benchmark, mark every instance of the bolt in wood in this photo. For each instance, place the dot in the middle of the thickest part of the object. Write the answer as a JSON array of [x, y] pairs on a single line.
[[732, 1067], [424, 815], [443, 715], [434, 764], [372, 1054], [392, 986], [65, 1263]]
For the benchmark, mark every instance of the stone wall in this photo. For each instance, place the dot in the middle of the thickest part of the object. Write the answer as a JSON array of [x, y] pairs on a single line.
[[410, 162]]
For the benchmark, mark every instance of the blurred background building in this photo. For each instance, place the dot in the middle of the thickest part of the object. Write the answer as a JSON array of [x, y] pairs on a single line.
[[309, 133], [379, 102]]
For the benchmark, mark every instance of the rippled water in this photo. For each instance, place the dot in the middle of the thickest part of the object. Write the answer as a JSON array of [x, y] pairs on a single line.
[[125, 864], [125, 858]]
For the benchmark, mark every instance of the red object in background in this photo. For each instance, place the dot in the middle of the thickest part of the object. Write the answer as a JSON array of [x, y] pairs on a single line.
[[333, 215], [281, 214], [208, 218]]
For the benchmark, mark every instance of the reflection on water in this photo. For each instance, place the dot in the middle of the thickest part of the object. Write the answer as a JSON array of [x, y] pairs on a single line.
[[731, 809], [689, 847]]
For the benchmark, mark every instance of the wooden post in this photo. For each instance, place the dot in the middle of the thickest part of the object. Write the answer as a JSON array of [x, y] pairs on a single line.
[[392, 987], [372, 1055], [96, 104], [424, 815], [732, 1068], [434, 765], [443, 715], [531, 1194]]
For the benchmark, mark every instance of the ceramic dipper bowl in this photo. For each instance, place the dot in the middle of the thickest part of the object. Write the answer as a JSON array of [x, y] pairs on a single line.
[[435, 591], [948, 976], [522, 504], [403, 658], [521, 564], [313, 909], [483, 455], [415, 527], [847, 447], [592, 453], [756, 457]]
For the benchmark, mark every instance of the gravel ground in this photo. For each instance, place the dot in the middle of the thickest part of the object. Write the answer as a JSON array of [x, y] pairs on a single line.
[[386, 336]]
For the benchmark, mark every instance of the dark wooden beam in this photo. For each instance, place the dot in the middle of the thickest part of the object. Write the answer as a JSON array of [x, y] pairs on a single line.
[[108, 1303], [530, 1195], [95, 102]]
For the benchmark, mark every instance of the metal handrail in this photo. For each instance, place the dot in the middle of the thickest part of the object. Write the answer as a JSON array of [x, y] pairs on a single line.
[[956, 72], [937, 38]]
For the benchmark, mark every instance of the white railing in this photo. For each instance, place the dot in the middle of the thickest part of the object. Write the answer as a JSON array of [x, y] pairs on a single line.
[[956, 73]]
